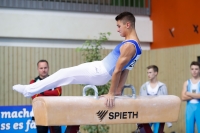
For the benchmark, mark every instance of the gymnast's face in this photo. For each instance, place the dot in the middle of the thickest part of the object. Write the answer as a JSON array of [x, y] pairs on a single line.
[[195, 71], [43, 69], [121, 28], [151, 74]]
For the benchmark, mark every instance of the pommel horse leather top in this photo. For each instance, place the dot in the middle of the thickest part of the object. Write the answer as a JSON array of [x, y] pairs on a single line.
[[86, 110]]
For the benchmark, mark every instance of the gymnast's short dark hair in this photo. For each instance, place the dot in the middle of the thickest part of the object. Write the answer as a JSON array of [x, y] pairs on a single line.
[[126, 17]]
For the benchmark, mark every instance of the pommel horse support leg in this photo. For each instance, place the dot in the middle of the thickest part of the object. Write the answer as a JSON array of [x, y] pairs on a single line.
[[87, 110]]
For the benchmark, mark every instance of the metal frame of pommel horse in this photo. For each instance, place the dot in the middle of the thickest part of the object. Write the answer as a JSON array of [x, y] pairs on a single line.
[[89, 110]]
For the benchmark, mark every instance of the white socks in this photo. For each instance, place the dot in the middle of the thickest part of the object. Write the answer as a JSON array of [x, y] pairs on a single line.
[[21, 89]]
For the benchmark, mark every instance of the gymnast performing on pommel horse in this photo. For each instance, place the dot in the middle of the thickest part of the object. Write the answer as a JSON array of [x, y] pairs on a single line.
[[115, 66]]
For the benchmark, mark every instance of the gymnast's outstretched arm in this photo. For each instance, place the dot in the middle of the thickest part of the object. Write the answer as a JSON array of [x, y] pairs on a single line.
[[123, 78], [127, 51]]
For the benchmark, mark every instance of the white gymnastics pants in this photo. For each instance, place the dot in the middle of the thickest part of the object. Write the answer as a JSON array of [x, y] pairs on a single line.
[[93, 73]]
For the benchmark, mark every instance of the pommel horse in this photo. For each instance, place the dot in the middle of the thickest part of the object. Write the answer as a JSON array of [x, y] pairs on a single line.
[[91, 110]]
